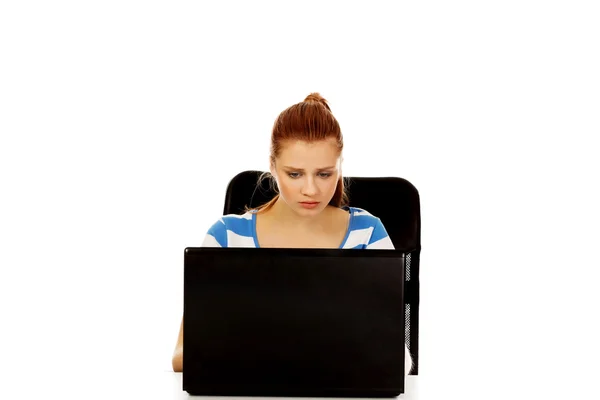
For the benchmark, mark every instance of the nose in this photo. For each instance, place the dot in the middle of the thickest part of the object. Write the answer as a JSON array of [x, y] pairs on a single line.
[[309, 188]]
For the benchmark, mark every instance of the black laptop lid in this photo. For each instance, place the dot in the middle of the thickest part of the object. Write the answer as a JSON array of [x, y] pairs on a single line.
[[293, 322]]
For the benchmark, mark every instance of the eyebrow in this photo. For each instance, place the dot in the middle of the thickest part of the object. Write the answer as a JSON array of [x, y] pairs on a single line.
[[300, 169]]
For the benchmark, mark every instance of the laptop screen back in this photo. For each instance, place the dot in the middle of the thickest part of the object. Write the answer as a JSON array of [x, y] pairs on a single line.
[[293, 322]]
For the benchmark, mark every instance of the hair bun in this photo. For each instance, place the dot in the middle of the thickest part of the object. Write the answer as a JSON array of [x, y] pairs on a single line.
[[317, 98]]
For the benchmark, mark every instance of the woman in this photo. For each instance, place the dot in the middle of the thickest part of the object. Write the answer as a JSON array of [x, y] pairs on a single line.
[[309, 210]]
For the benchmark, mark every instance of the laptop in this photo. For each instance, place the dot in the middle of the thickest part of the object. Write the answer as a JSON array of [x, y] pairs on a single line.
[[293, 322]]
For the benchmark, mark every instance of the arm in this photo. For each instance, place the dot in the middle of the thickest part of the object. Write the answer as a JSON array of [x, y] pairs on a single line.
[[178, 353], [408, 363], [215, 237], [379, 237]]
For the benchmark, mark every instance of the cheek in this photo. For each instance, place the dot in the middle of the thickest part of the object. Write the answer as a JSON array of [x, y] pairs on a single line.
[[287, 187], [334, 185], [329, 186]]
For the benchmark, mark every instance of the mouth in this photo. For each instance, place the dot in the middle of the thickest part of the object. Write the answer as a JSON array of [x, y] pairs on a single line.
[[309, 205]]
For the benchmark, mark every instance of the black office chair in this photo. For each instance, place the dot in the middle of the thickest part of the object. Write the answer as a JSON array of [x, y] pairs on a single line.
[[394, 200]]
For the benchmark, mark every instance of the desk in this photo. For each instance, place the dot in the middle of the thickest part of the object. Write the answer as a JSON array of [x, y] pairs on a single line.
[[169, 384], [163, 385], [86, 384]]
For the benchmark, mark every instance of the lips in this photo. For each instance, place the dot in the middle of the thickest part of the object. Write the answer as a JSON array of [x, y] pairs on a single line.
[[309, 205]]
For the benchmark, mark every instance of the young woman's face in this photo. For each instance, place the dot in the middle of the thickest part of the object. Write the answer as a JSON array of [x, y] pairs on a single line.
[[307, 174]]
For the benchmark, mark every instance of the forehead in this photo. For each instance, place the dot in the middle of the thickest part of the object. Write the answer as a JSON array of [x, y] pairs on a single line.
[[301, 154]]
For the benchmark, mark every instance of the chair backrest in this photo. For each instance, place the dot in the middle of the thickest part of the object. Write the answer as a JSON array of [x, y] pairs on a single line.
[[394, 200]]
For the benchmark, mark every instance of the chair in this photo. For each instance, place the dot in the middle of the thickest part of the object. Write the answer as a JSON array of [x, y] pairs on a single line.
[[394, 200]]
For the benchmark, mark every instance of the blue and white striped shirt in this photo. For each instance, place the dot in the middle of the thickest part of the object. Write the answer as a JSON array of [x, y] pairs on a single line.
[[365, 231]]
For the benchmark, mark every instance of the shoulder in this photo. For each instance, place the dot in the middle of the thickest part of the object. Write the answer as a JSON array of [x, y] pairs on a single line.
[[231, 230], [236, 220], [363, 217], [367, 230]]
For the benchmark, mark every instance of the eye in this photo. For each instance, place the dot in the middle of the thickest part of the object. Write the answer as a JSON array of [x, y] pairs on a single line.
[[325, 175], [294, 175]]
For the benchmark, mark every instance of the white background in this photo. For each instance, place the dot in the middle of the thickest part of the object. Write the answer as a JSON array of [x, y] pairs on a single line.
[[122, 122]]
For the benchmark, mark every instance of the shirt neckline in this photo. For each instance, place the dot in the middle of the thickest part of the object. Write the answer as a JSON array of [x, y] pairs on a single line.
[[348, 229]]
